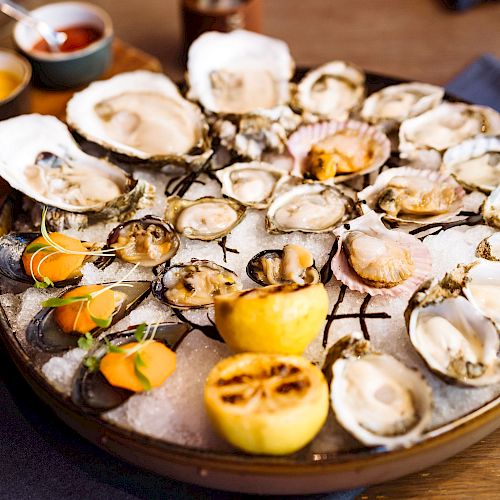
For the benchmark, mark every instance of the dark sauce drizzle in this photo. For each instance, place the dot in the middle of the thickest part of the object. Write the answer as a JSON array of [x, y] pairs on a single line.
[[225, 249], [471, 220], [209, 330], [326, 272]]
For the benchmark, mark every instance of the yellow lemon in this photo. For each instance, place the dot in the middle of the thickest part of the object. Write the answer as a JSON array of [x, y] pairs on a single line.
[[281, 319], [267, 403]]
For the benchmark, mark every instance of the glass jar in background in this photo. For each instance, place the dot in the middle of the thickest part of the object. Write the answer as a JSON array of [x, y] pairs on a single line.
[[199, 16]]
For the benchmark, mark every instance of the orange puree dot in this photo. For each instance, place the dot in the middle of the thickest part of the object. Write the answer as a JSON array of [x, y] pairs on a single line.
[[57, 266], [159, 364], [76, 317]]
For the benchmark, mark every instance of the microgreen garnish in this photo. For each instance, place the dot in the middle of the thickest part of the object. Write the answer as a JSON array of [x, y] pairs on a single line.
[[86, 341], [113, 348], [101, 322], [34, 247], [58, 301], [139, 332], [138, 365], [92, 363]]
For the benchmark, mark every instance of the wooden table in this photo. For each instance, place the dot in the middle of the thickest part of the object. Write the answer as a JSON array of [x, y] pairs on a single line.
[[416, 39]]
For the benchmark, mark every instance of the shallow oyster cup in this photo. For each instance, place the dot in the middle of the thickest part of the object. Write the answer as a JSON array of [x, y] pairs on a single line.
[[67, 69]]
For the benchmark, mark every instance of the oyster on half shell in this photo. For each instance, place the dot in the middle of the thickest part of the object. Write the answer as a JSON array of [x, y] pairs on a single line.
[[140, 117], [330, 91], [39, 158], [376, 398]]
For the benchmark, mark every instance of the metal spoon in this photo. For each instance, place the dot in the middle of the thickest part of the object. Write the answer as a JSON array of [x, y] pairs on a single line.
[[53, 38]]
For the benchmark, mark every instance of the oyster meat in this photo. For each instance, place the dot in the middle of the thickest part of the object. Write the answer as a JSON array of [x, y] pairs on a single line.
[[206, 218], [194, 285], [148, 241], [393, 104], [142, 117], [475, 163], [310, 208], [375, 397], [39, 157], [252, 183], [293, 264], [330, 91], [239, 72]]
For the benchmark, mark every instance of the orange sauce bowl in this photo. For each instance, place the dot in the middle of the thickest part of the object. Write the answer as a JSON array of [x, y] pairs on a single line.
[[15, 76]]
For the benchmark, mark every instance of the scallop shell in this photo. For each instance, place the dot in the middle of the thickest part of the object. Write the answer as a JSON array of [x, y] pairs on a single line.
[[469, 163], [368, 197], [371, 222], [330, 91], [183, 140], [301, 141]]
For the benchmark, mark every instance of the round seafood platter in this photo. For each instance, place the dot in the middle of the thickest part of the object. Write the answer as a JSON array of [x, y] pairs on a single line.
[[264, 280]]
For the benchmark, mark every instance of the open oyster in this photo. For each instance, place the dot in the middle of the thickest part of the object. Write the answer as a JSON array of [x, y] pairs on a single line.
[[39, 157], [239, 72], [204, 219], [330, 91], [310, 208], [475, 163], [413, 195], [451, 334], [489, 248], [293, 264], [395, 103], [491, 209], [148, 241], [92, 392], [373, 259], [425, 137], [51, 331], [337, 151], [376, 398], [194, 285], [140, 117], [252, 184]]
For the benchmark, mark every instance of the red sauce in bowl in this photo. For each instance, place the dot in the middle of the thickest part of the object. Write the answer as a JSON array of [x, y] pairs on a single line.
[[78, 37]]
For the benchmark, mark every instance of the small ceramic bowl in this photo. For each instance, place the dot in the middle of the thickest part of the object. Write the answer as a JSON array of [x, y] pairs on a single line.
[[16, 102], [67, 69]]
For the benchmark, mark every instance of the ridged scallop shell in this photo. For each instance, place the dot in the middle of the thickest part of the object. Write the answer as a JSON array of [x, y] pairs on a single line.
[[301, 141], [372, 225], [368, 197]]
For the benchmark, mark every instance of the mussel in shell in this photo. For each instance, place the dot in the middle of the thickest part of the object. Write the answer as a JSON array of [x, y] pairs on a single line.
[[149, 241], [91, 390], [18, 263], [293, 264], [53, 331], [195, 284]]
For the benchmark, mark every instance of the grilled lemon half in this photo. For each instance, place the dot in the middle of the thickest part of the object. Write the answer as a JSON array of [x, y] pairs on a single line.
[[267, 403], [281, 319]]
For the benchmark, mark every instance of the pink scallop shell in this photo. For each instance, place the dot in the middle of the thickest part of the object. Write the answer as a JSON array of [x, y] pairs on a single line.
[[419, 253], [301, 141]]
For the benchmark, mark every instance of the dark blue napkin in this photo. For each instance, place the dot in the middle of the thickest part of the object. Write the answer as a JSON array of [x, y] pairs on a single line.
[[479, 83]]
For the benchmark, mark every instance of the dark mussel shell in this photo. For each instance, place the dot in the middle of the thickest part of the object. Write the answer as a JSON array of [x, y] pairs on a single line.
[[159, 286], [162, 228], [12, 247], [93, 393], [254, 266], [45, 334]]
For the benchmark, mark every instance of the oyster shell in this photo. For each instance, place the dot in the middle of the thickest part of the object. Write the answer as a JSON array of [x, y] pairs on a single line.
[[93, 393], [293, 264], [491, 209], [489, 248], [396, 103], [424, 137], [373, 259], [413, 196], [239, 72], [44, 333], [140, 117], [194, 285], [330, 91], [149, 241], [39, 157], [252, 184], [376, 398], [204, 219], [475, 163], [309, 208], [337, 151]]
